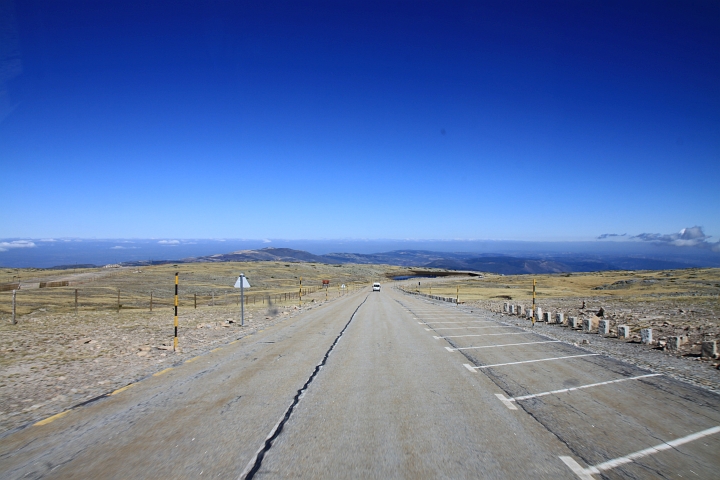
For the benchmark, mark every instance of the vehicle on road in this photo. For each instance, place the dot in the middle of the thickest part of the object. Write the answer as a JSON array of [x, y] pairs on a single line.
[[376, 287]]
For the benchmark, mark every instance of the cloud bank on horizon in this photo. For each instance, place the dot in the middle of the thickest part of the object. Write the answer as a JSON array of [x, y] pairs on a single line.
[[687, 237]]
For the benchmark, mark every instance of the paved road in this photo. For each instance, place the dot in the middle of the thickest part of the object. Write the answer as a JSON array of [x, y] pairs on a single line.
[[384, 385]]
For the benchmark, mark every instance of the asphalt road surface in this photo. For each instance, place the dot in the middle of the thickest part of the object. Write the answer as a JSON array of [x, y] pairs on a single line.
[[384, 385]]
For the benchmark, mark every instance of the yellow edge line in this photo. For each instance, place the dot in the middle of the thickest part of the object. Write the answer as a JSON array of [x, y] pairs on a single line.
[[234, 342], [51, 419], [219, 348], [192, 359], [162, 372], [122, 389]]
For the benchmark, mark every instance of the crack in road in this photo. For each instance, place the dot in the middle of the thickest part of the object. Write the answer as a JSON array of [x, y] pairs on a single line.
[[254, 465]]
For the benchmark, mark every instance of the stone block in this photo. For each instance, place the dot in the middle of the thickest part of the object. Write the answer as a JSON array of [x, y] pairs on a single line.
[[709, 349], [590, 324], [646, 336], [623, 331], [674, 343], [604, 327], [547, 317], [573, 322], [506, 307], [520, 310], [512, 310], [560, 318], [539, 314]]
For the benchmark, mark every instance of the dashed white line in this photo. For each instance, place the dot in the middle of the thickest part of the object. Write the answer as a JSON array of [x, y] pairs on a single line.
[[507, 402], [585, 473], [538, 360], [502, 345]]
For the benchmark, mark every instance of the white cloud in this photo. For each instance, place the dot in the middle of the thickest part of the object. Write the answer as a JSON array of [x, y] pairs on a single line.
[[687, 237], [48, 240], [119, 247], [267, 241], [169, 242], [5, 246]]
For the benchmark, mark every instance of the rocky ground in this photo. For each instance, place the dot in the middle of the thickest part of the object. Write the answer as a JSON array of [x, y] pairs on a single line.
[[52, 362]]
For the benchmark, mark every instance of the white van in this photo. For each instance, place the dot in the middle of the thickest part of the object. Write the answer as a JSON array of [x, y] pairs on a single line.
[[376, 287]]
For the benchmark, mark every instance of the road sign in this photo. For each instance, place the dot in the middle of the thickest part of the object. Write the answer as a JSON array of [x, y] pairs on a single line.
[[242, 284], [343, 286]]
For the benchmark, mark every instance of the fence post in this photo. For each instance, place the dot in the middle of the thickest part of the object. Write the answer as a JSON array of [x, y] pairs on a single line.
[[118, 305], [14, 320], [151, 295], [76, 302], [195, 300]]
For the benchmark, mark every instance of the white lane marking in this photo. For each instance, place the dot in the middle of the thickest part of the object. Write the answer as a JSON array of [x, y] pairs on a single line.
[[503, 345], [572, 389], [464, 321], [469, 367], [449, 349], [488, 334], [576, 468], [507, 402], [539, 360], [616, 462], [466, 328]]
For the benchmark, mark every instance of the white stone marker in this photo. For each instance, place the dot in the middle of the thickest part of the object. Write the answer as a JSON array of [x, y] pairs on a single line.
[[506, 307], [560, 318], [709, 349], [604, 327], [590, 324], [623, 331], [547, 317], [674, 343], [512, 309], [520, 310], [646, 335]]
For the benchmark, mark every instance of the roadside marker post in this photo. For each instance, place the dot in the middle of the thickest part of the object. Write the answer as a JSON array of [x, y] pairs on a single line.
[[300, 294], [533, 304], [175, 340], [242, 283]]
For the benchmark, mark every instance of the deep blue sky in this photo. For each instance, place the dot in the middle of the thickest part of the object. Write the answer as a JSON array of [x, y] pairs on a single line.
[[310, 120]]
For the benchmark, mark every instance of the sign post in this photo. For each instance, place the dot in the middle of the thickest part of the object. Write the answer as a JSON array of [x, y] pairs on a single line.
[[242, 283]]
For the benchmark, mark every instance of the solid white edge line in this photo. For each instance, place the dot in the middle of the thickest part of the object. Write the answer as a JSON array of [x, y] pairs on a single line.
[[539, 360], [505, 401], [509, 345], [469, 367], [467, 328], [586, 473], [572, 389], [436, 337], [449, 349]]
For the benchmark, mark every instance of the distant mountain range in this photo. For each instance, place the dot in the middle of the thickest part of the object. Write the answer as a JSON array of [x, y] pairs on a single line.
[[492, 263]]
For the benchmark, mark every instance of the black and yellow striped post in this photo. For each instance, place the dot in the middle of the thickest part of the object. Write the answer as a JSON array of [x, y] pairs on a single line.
[[175, 341], [300, 294], [457, 295], [533, 304]]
